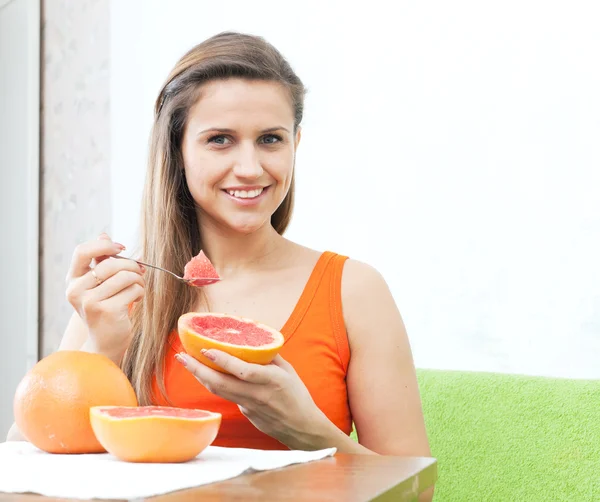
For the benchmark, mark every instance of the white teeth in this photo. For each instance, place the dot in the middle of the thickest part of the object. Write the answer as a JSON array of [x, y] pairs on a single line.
[[245, 194]]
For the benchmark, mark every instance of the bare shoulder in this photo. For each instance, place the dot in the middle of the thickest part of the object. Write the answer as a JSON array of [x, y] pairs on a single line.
[[359, 275], [368, 304], [362, 283], [299, 259]]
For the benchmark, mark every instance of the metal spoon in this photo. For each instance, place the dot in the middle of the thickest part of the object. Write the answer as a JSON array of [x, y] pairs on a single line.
[[187, 281]]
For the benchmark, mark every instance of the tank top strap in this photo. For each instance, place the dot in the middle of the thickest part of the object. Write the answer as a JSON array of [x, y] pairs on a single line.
[[308, 294], [320, 304], [335, 309]]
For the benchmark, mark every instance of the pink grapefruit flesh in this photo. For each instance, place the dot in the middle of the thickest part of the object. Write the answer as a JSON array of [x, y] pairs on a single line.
[[241, 337], [152, 411], [230, 330], [154, 433], [199, 271]]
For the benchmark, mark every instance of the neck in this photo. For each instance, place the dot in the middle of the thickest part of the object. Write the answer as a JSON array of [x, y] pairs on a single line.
[[232, 252]]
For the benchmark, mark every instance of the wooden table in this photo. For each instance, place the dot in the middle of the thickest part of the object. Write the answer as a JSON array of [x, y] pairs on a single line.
[[343, 478]]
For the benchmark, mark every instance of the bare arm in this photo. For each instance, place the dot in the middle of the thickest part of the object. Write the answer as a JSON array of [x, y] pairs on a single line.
[[14, 434], [103, 302], [382, 383], [382, 380], [76, 334]]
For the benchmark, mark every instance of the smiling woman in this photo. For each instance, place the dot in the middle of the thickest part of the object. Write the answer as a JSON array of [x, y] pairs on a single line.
[[240, 175], [221, 179]]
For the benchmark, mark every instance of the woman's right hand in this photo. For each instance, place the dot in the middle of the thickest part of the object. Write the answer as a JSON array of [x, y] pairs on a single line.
[[101, 289]]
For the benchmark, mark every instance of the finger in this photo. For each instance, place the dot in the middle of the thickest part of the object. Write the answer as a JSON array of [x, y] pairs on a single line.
[[110, 267], [99, 259], [127, 296], [86, 252], [100, 273], [220, 384], [115, 284], [282, 363], [249, 372]]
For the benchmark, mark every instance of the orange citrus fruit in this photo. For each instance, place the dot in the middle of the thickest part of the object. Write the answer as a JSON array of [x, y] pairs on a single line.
[[53, 400], [154, 433], [241, 337]]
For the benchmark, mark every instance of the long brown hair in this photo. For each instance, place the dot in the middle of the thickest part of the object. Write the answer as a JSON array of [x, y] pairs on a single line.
[[170, 234]]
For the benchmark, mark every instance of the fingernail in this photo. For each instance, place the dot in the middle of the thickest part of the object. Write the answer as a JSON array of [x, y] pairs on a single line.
[[181, 359], [142, 268], [120, 246], [208, 355]]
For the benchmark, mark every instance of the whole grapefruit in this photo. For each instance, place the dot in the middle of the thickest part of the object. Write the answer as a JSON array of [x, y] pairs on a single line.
[[53, 400]]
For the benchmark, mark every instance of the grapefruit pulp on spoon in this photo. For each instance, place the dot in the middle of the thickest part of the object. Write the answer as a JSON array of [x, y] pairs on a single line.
[[199, 271]]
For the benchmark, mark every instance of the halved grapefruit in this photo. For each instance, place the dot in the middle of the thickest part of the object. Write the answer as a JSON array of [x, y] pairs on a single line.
[[241, 337], [199, 271], [154, 433]]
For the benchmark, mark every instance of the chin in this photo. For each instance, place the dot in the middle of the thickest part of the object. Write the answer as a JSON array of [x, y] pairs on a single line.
[[249, 228], [247, 225]]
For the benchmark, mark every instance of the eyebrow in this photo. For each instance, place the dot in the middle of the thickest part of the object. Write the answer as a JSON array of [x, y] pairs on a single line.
[[229, 131]]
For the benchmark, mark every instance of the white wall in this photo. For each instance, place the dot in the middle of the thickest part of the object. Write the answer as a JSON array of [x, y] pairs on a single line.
[[19, 168], [453, 145]]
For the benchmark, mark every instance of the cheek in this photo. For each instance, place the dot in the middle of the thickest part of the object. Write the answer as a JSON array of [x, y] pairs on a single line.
[[281, 167], [203, 171], [197, 182]]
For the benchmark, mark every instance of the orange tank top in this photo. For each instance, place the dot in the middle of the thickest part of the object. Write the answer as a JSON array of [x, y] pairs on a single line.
[[316, 346]]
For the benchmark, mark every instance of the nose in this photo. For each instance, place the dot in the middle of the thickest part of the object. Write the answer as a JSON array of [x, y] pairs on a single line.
[[248, 164]]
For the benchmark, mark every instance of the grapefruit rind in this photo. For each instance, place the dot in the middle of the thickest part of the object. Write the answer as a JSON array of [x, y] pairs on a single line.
[[154, 438], [194, 342], [52, 402]]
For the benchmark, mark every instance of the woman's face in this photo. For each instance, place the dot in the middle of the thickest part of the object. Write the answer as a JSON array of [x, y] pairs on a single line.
[[238, 150]]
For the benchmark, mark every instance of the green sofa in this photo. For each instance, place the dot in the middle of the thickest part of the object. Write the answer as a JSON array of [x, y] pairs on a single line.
[[512, 438]]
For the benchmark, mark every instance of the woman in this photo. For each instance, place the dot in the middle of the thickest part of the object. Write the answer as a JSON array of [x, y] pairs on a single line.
[[221, 179]]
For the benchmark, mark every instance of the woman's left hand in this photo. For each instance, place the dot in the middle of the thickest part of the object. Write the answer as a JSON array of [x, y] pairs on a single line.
[[272, 397]]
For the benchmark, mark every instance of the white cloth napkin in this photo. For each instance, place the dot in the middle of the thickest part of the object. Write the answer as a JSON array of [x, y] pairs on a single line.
[[24, 468]]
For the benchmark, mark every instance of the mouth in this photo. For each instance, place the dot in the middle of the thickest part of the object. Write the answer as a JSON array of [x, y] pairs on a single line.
[[246, 195]]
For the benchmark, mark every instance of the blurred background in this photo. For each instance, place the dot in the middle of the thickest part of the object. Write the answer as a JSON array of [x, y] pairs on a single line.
[[455, 146]]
